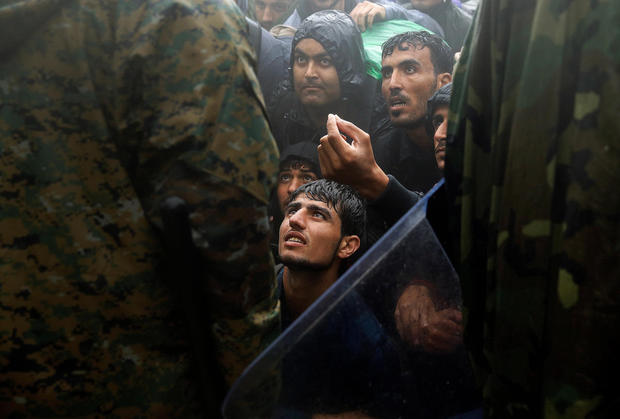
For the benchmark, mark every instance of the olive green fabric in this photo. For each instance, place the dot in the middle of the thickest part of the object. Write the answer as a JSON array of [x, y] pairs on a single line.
[[533, 172]]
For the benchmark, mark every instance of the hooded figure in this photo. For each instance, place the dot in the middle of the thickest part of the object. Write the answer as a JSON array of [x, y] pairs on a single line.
[[359, 99], [338, 34]]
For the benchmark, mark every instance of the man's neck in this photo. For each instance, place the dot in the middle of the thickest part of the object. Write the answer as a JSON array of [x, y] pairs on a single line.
[[420, 138], [302, 288], [318, 116]]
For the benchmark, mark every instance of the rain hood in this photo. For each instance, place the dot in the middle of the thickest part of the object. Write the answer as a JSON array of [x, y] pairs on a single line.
[[341, 38]]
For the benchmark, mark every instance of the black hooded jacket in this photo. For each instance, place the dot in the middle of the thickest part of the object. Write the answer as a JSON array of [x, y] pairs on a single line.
[[360, 93]]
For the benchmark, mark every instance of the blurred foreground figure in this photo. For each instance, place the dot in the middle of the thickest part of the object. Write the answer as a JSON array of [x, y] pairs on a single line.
[[533, 168], [106, 110]]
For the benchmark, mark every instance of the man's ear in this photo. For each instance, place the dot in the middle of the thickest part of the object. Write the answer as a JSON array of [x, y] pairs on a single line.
[[443, 79], [348, 246]]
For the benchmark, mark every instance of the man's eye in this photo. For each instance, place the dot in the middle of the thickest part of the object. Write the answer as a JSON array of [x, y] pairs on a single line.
[[437, 121], [309, 178], [280, 8], [325, 62], [386, 74], [319, 214], [410, 69], [300, 60], [291, 211], [285, 177]]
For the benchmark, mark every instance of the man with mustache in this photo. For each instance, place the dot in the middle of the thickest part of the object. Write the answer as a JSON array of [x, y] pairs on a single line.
[[414, 66], [328, 75]]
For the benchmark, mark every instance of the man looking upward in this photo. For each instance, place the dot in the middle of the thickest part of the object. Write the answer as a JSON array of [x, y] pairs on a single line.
[[323, 223], [322, 226]]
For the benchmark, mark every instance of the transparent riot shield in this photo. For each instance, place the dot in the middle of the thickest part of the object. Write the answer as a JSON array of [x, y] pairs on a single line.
[[384, 341]]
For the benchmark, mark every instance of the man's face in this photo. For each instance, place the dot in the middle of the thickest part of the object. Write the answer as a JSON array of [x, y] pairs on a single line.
[[317, 5], [440, 127], [310, 235], [268, 12], [408, 81], [424, 4], [290, 179], [314, 75]]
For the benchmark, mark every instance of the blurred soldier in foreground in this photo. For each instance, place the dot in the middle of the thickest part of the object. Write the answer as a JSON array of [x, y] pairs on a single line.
[[107, 109], [533, 168]]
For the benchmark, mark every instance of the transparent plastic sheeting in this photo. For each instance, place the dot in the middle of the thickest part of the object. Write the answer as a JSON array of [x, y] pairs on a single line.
[[345, 354]]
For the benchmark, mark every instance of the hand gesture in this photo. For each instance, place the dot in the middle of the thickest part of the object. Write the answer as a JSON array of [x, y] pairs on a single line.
[[351, 164]]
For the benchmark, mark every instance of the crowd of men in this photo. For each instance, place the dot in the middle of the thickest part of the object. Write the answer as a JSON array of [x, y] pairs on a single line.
[[181, 180]]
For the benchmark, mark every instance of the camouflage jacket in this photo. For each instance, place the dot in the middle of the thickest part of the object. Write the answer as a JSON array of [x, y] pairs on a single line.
[[533, 168], [106, 109]]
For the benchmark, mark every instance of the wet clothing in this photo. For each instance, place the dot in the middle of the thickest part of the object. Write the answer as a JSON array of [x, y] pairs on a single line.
[[360, 96], [392, 11], [107, 109], [272, 55], [454, 21], [414, 167], [291, 124], [532, 170], [346, 363]]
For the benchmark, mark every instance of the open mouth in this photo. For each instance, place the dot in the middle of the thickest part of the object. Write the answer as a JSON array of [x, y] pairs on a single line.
[[397, 103], [294, 237]]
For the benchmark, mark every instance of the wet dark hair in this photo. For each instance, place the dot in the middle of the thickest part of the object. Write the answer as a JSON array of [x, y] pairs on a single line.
[[441, 54], [349, 206]]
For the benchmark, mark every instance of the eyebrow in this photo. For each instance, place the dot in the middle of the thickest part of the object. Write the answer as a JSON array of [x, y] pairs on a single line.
[[291, 206], [296, 206], [320, 55], [410, 61], [322, 210]]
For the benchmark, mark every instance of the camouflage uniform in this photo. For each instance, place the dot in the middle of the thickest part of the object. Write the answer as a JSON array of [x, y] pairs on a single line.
[[533, 168], [106, 108]]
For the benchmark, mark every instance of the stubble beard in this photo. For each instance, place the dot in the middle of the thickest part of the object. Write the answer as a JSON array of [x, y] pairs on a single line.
[[410, 124], [305, 265]]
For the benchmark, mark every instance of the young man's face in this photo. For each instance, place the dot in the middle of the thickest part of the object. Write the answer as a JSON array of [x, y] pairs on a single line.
[[310, 235], [440, 128], [290, 179], [408, 81], [314, 75], [268, 12]]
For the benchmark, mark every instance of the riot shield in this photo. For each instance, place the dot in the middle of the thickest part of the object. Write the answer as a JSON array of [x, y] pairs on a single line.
[[381, 342]]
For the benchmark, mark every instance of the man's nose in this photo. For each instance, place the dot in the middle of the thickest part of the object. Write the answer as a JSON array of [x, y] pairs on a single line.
[[442, 131], [395, 82], [311, 70], [268, 14], [294, 184], [297, 220]]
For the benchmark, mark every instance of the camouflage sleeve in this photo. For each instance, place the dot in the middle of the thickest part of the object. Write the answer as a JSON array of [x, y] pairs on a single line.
[[193, 125], [532, 168]]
